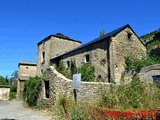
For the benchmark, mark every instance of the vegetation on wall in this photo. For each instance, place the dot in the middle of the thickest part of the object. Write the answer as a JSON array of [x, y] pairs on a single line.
[[149, 34], [62, 69], [137, 64], [87, 71], [32, 89], [150, 45]]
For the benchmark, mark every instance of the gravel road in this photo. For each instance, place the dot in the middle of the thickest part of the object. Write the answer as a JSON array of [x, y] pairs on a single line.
[[14, 110]]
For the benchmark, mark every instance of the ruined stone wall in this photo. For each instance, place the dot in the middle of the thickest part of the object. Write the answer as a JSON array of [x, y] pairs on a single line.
[[59, 85], [52, 47], [148, 72], [126, 43], [4, 92], [97, 54]]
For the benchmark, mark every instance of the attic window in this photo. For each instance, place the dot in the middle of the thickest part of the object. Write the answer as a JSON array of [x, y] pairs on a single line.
[[129, 35], [87, 58]]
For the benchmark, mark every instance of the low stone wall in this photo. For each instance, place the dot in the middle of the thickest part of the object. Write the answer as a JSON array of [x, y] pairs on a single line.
[[148, 72], [4, 92], [59, 85]]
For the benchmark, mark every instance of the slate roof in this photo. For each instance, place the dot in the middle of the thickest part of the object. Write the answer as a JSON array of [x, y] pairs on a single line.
[[108, 35], [58, 35]]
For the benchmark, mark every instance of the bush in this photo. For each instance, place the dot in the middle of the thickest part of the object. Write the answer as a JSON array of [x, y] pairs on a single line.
[[14, 87], [63, 70], [137, 64], [150, 45], [32, 89], [3, 81], [69, 110], [134, 95], [87, 72], [12, 95]]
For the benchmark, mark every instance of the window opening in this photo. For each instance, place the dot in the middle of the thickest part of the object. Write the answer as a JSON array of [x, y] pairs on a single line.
[[68, 64], [87, 58], [43, 57], [129, 35], [47, 89]]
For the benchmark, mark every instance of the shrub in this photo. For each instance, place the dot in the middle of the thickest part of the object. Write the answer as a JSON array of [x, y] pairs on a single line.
[[134, 95], [32, 89], [87, 72], [3, 81], [150, 45], [14, 87], [13, 90], [12, 95], [63, 70], [137, 64], [69, 110]]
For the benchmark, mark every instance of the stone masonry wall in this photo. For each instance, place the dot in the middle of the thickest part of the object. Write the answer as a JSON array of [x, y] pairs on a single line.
[[146, 73], [52, 47], [97, 53], [27, 70], [59, 85], [124, 44], [4, 92]]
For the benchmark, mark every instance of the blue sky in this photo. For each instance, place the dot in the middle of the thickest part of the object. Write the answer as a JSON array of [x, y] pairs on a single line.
[[23, 23]]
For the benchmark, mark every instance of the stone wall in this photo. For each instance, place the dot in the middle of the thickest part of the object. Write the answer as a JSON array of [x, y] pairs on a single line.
[[148, 72], [4, 92], [52, 46], [59, 85], [124, 44]]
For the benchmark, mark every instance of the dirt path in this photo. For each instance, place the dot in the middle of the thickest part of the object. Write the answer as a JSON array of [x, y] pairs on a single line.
[[16, 111]]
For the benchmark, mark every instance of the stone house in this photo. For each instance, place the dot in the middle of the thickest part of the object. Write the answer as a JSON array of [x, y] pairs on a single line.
[[25, 70], [106, 53], [53, 46]]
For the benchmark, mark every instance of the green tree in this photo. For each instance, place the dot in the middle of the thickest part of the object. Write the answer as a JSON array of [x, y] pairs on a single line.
[[32, 88], [62, 69], [101, 33], [73, 69], [3, 81], [87, 72]]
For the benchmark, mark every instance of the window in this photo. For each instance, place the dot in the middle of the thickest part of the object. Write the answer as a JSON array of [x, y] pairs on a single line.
[[67, 64], [87, 58], [156, 80], [129, 35], [47, 89], [43, 57]]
